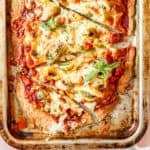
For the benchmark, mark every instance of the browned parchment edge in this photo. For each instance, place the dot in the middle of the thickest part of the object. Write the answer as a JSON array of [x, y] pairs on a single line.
[[16, 143]]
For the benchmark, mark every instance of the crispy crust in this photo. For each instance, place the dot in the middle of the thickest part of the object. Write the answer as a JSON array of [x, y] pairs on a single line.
[[131, 13], [43, 121], [104, 111], [124, 80], [37, 118], [99, 128], [34, 115], [16, 7]]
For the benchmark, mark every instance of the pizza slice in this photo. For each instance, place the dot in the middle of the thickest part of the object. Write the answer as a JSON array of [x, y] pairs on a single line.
[[100, 92], [49, 110], [93, 82], [69, 39], [115, 13], [44, 36]]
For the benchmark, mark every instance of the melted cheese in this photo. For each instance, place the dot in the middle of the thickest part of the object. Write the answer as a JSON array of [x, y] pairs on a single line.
[[58, 127], [90, 105], [89, 89], [28, 40], [104, 5], [60, 85], [69, 79], [28, 4], [55, 104]]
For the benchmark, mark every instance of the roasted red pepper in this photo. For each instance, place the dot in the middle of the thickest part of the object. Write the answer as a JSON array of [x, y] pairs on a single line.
[[87, 45]]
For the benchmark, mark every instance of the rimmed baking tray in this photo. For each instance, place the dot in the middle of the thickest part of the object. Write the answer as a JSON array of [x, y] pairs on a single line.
[[127, 122]]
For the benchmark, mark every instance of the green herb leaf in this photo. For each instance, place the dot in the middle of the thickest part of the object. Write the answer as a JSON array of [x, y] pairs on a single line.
[[91, 75], [112, 66], [65, 63], [44, 26], [51, 24], [89, 14], [101, 66], [18, 68], [105, 76]]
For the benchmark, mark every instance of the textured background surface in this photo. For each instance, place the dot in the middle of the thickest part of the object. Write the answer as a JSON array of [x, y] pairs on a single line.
[[145, 141]]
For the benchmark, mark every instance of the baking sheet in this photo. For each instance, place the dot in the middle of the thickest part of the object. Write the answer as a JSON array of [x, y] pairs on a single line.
[[136, 122]]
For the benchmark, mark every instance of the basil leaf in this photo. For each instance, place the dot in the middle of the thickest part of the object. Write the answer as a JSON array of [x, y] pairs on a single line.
[[100, 64], [112, 66], [52, 23], [45, 26], [91, 75], [49, 25]]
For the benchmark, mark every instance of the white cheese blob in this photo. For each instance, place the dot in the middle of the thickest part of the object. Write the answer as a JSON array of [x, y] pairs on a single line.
[[58, 127]]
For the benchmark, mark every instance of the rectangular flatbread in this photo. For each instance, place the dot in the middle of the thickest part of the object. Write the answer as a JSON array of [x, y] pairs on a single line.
[[69, 70]]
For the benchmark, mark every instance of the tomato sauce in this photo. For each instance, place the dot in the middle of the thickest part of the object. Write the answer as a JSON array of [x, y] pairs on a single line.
[[123, 22], [110, 94]]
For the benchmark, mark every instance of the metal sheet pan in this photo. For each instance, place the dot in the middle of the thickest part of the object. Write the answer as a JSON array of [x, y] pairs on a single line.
[[123, 132]]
